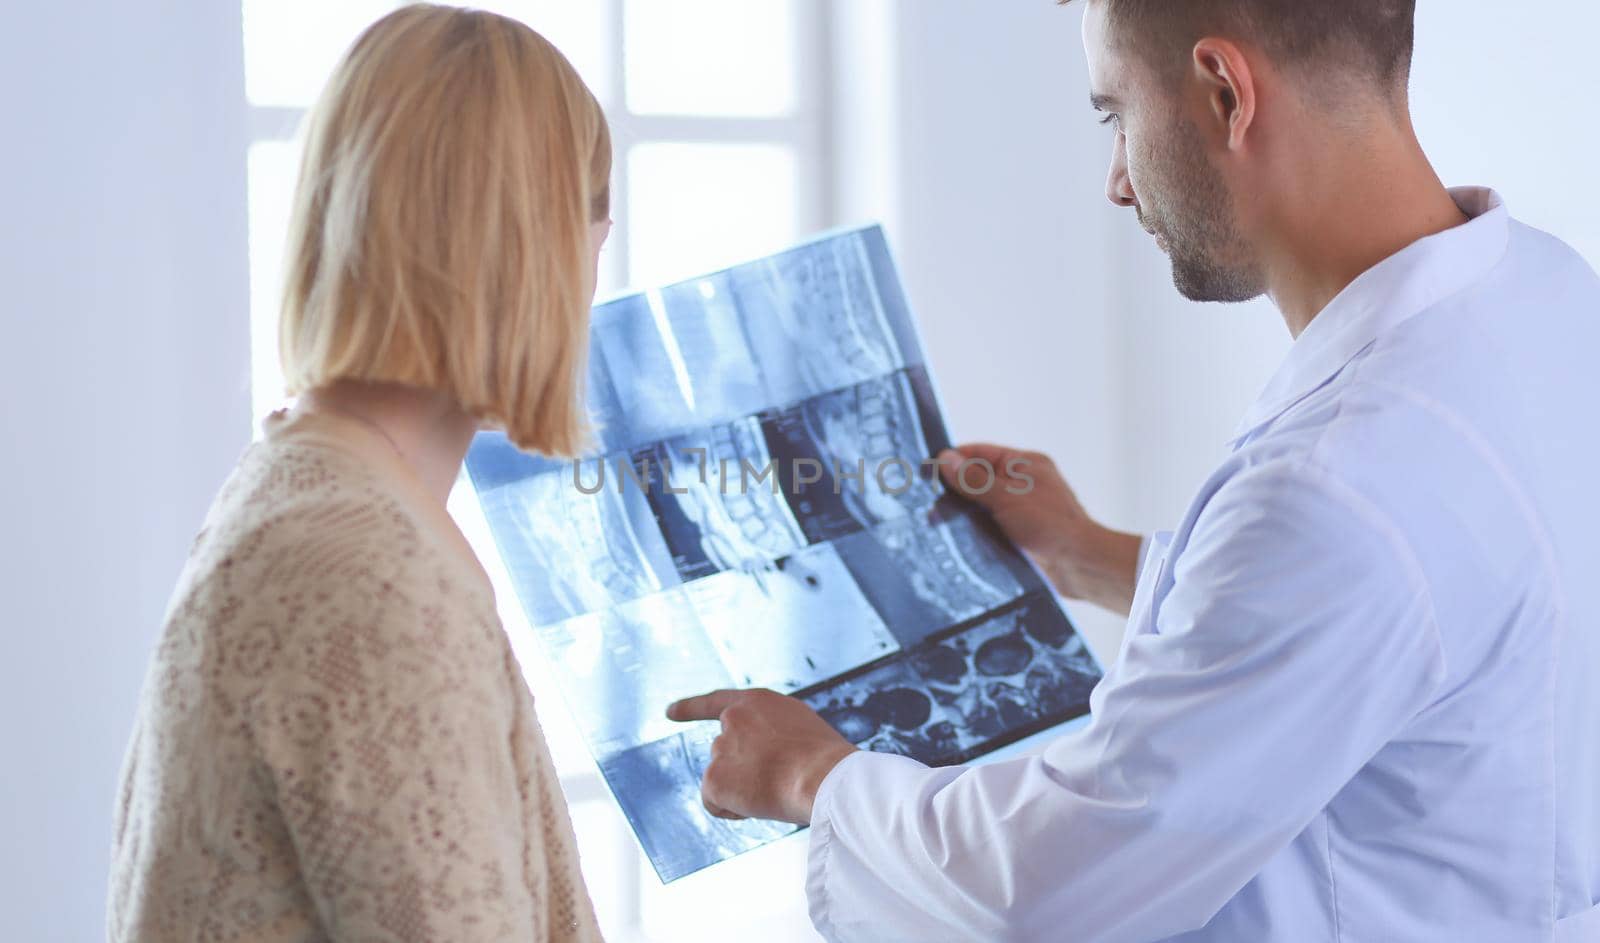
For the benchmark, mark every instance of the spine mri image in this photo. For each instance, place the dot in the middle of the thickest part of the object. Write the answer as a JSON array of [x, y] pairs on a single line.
[[761, 510]]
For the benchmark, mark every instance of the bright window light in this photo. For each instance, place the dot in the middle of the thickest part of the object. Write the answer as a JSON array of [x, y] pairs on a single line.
[[698, 207], [710, 57], [273, 166], [742, 895], [290, 46]]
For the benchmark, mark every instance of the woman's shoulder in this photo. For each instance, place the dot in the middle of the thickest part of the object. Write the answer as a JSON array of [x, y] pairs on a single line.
[[294, 511], [304, 541]]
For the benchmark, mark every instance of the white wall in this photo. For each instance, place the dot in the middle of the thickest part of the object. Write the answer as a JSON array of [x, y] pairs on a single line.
[[122, 253], [1509, 97]]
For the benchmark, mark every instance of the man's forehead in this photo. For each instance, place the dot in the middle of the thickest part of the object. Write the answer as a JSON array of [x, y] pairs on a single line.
[[1105, 66]]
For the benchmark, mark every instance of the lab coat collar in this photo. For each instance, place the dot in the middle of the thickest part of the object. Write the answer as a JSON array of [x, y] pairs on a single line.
[[1401, 286]]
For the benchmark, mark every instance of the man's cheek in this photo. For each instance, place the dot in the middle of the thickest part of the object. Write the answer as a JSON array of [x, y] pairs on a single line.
[[1133, 164], [1143, 178]]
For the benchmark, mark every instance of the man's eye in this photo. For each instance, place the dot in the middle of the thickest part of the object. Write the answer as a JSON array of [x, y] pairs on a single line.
[[1114, 120]]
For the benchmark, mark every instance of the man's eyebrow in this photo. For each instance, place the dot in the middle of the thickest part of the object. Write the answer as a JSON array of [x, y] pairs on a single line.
[[1102, 102]]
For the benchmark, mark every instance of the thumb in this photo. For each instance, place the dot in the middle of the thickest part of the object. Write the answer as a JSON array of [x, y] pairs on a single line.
[[970, 476], [950, 462]]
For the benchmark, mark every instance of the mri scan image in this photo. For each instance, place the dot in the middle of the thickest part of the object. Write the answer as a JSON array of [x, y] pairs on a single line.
[[625, 665], [760, 509], [819, 316], [571, 552], [717, 509], [792, 624], [1014, 673], [857, 456], [971, 691], [923, 578], [710, 337], [646, 387], [658, 787], [890, 709]]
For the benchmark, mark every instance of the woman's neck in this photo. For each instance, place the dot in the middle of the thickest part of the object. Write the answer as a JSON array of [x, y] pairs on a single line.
[[427, 429]]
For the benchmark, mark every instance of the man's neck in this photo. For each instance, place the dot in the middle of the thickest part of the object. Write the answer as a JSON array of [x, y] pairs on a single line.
[[1367, 196]]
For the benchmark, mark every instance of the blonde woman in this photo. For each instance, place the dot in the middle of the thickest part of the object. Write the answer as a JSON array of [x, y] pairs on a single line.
[[335, 742]]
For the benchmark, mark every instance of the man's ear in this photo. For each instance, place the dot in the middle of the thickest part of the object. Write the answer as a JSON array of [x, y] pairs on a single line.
[[1224, 73]]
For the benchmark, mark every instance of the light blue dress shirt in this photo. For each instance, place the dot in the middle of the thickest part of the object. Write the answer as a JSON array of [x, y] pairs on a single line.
[[1359, 696]]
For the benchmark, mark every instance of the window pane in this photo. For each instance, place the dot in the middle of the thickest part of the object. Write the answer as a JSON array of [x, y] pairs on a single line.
[[710, 57], [699, 207], [273, 166], [579, 28], [610, 861], [609, 277], [290, 46]]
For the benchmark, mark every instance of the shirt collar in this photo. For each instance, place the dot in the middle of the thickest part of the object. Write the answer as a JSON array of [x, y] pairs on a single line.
[[1401, 286]]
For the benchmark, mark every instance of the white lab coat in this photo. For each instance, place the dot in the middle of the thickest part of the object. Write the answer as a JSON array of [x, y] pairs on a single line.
[[1359, 696]]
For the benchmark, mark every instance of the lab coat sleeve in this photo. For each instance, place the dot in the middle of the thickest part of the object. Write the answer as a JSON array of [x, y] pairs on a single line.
[[1297, 637]]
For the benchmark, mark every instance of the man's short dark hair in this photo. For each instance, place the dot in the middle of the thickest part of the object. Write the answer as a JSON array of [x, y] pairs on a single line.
[[1370, 38]]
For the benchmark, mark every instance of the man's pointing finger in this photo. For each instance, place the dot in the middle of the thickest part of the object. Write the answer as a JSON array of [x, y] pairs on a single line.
[[703, 706]]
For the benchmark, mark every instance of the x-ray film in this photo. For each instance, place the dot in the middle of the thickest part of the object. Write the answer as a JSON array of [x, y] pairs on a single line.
[[762, 511]]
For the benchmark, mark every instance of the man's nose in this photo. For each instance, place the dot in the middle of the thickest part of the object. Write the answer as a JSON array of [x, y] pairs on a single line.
[[1118, 190]]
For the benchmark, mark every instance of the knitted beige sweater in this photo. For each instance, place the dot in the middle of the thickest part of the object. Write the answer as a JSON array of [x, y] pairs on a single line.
[[335, 741]]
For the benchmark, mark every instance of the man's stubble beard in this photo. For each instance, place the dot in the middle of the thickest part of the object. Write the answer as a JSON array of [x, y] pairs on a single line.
[[1193, 214]]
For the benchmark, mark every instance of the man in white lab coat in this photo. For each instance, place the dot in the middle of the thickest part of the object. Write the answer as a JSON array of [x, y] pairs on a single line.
[[1359, 695]]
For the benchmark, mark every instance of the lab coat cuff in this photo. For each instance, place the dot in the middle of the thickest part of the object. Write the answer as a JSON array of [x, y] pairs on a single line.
[[821, 843], [852, 775], [830, 785]]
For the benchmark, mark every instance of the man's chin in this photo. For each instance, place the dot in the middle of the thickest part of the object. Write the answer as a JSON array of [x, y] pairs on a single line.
[[1211, 285]]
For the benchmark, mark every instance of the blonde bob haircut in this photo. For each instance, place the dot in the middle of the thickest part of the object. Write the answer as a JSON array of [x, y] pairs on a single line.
[[440, 231]]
